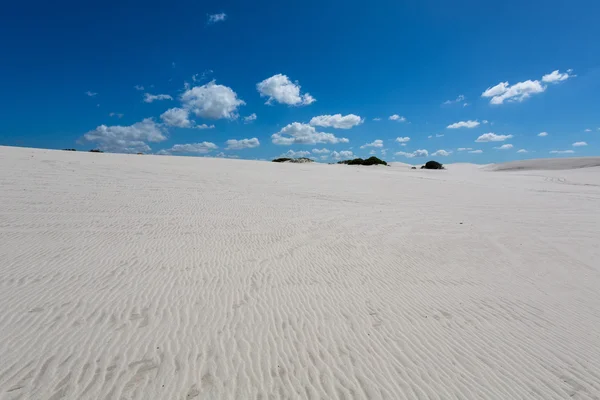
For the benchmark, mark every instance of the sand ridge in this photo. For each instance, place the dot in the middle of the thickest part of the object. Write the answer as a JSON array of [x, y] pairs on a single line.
[[138, 277]]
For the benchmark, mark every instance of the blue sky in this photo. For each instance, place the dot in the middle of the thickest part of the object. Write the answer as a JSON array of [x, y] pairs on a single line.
[[316, 75]]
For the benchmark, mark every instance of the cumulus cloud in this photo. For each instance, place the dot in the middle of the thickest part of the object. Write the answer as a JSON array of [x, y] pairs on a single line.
[[298, 133], [522, 151], [457, 100], [149, 98], [562, 152], [177, 117], [442, 153], [542, 134], [220, 17], [91, 94], [337, 121], [416, 153], [476, 151], [126, 139], [204, 126], [212, 101], [402, 139], [250, 118], [464, 149], [377, 119], [321, 151], [233, 144], [198, 148], [579, 144], [463, 124], [556, 76], [342, 154], [138, 87], [492, 137], [293, 154], [113, 114], [397, 117], [375, 143], [518, 92], [279, 88], [505, 147]]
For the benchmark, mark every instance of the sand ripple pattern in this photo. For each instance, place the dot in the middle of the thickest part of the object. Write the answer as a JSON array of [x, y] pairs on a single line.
[[143, 277]]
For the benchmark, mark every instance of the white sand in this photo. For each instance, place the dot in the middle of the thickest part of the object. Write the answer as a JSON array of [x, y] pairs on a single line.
[[154, 277]]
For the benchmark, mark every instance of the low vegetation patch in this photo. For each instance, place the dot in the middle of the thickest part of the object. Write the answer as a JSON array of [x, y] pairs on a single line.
[[294, 160], [432, 165], [360, 161]]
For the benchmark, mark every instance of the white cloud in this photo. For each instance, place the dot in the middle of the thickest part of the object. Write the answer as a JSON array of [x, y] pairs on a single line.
[[375, 143], [587, 130], [505, 147], [396, 117], [492, 137], [321, 151], [579, 144], [562, 152], [118, 115], [292, 153], [126, 139], [279, 88], [149, 98], [297, 133], [337, 121], [342, 154], [442, 153], [542, 134], [139, 87], [233, 144], [377, 119], [556, 76], [177, 117], [204, 126], [522, 151], [213, 18], [199, 148], [463, 124], [464, 149], [416, 153], [476, 151], [212, 101], [485, 121], [250, 118], [517, 92], [91, 94], [439, 135], [457, 100], [402, 139]]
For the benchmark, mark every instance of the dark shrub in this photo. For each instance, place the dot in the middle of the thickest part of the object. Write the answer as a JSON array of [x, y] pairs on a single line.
[[413, 168], [283, 159], [70, 149], [432, 165], [360, 161], [96, 151]]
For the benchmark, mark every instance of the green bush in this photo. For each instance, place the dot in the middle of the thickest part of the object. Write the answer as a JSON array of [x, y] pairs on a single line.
[[432, 165], [283, 159], [360, 161]]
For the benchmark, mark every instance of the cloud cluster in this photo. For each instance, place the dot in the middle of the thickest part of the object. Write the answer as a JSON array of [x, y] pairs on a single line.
[[442, 153], [375, 143], [233, 144], [337, 121], [212, 101], [298, 133], [321, 151], [279, 88], [543, 134], [459, 99], [579, 144], [149, 98], [196, 148], [403, 139], [505, 147], [520, 91], [416, 153], [250, 118], [342, 154], [220, 17], [562, 152], [294, 154], [463, 124], [397, 117], [492, 137], [126, 139]]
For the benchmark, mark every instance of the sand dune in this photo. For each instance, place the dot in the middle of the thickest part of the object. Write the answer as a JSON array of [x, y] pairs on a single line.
[[148, 277], [547, 164]]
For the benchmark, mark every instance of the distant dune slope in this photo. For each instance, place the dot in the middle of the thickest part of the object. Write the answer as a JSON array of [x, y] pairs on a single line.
[[546, 164]]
